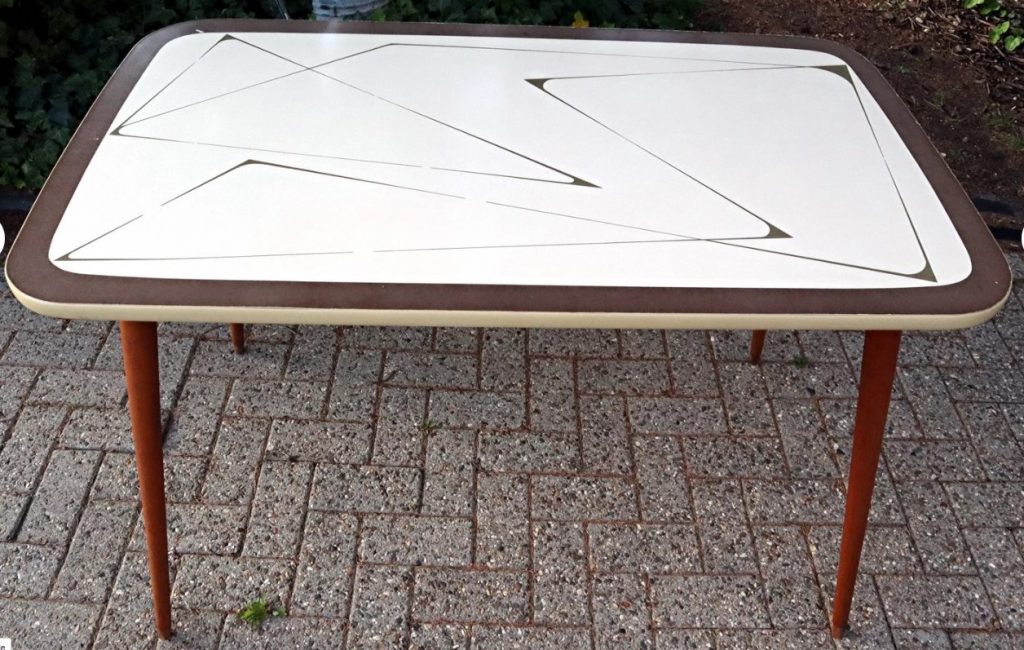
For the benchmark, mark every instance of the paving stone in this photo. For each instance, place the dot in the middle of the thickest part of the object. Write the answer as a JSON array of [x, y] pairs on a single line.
[[935, 350], [58, 500], [288, 399], [391, 338], [685, 639], [428, 370], [552, 395], [15, 316], [663, 415], [985, 640], [195, 630], [471, 410], [788, 639], [117, 480], [988, 504], [530, 638], [46, 624], [324, 574], [195, 528], [127, 621], [869, 627], [12, 507], [465, 596], [645, 344], [222, 583], [1001, 455], [380, 607], [931, 403], [708, 601], [814, 380], [885, 505], [790, 582], [1001, 565], [503, 360], [106, 429], [621, 617], [278, 509], [457, 339], [196, 416], [438, 637], [287, 632], [934, 528], [354, 391], [604, 435], [920, 639], [661, 479], [691, 361], [79, 388], [746, 399], [390, 539], [354, 488], [449, 473], [578, 498], [822, 346], [529, 451], [804, 501], [932, 460], [644, 548], [902, 423], [26, 570], [94, 554], [15, 384], [53, 350], [502, 537], [260, 361], [28, 445], [802, 433], [985, 384], [574, 342], [725, 538], [312, 355], [401, 426], [559, 574], [623, 377], [935, 601], [735, 457], [231, 476], [319, 442], [887, 549]]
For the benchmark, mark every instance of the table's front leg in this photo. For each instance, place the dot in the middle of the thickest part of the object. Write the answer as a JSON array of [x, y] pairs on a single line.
[[878, 368], [142, 375]]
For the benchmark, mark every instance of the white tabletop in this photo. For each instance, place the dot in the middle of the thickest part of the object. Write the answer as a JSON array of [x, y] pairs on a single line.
[[536, 162]]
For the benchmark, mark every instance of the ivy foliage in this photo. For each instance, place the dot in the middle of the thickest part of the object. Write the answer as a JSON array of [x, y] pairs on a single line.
[[1008, 30], [55, 56]]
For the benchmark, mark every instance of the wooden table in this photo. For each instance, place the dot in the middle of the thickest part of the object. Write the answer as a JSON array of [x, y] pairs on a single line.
[[325, 173]]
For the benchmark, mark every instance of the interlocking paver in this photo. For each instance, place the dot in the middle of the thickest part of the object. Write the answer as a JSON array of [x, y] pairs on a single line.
[[505, 488]]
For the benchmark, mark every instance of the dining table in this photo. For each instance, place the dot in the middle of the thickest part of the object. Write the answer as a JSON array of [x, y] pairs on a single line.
[[364, 173]]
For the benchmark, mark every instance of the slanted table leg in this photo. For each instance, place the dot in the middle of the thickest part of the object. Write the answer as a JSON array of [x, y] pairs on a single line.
[[756, 346], [881, 350], [142, 375], [238, 337]]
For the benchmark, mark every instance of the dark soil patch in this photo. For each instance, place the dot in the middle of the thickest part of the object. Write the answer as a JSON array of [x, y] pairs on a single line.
[[967, 94]]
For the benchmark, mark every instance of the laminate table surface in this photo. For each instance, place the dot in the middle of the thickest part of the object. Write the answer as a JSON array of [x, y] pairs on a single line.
[[456, 175]]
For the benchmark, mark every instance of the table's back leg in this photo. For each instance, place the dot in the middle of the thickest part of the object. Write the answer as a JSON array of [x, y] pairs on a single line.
[[142, 375], [756, 346], [878, 368], [238, 337]]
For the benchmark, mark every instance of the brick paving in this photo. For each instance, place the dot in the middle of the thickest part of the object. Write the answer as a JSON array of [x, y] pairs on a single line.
[[457, 488]]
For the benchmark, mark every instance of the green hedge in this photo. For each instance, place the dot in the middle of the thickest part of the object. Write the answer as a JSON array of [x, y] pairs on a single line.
[[57, 54]]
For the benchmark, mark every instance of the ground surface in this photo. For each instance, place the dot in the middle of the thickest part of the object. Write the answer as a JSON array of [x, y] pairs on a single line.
[[968, 96], [543, 489]]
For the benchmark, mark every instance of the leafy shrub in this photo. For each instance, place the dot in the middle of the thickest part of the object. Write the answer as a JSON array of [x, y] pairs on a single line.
[[1009, 28], [57, 54]]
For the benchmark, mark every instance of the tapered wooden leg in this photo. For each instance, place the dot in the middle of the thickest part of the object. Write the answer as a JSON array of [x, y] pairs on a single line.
[[756, 346], [238, 337], [142, 375], [881, 350]]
